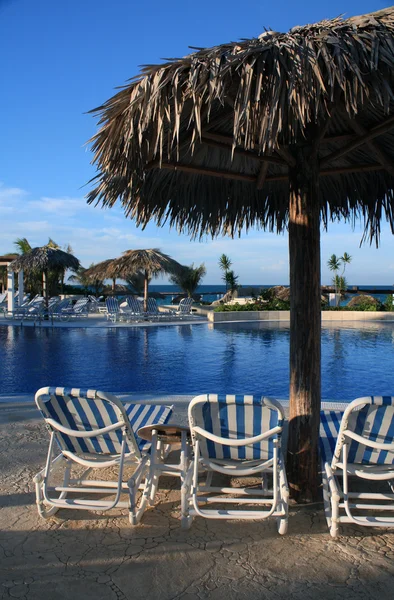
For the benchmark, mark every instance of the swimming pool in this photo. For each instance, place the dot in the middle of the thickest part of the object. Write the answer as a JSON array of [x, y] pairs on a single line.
[[357, 359]]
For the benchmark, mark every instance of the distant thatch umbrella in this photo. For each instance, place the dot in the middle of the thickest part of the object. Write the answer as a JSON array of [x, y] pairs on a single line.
[[103, 270], [150, 262], [283, 130], [44, 259]]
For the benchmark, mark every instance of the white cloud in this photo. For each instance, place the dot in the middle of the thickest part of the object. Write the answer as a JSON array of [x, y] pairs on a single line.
[[10, 193], [62, 207]]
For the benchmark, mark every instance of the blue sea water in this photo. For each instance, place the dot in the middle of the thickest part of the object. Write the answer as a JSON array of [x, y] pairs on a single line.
[[357, 359], [210, 292]]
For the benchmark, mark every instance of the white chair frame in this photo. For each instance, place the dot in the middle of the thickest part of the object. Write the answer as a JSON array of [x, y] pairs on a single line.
[[339, 501], [144, 477], [276, 499]]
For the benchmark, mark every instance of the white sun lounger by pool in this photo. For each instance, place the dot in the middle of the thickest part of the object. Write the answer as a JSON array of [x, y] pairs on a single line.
[[134, 309], [94, 430], [184, 308], [357, 446], [112, 309], [236, 436]]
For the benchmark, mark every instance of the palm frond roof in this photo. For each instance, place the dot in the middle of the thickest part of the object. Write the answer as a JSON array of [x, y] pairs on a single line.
[[44, 258], [151, 261], [206, 142]]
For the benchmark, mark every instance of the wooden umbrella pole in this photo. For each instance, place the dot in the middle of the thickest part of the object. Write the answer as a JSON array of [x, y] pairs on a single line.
[[45, 287], [305, 327], [146, 284]]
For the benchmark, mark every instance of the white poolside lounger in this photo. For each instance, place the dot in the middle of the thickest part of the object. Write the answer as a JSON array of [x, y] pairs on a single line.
[[358, 446], [184, 308], [112, 309], [94, 430], [236, 436], [134, 309]]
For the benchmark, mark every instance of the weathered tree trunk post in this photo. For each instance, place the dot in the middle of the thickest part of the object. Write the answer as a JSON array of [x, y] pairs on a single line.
[[45, 287], [305, 326], [146, 284], [114, 285]]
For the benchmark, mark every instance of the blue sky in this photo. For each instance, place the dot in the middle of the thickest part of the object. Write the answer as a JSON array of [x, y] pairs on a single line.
[[60, 59]]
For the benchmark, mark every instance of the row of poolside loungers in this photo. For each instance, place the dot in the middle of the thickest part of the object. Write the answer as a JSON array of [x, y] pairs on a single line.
[[234, 435], [130, 310]]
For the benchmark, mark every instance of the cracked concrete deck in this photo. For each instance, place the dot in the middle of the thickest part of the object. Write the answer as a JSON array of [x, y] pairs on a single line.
[[81, 554]]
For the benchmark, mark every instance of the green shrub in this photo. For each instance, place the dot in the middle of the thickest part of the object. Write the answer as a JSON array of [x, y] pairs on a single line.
[[367, 304], [388, 303], [273, 304]]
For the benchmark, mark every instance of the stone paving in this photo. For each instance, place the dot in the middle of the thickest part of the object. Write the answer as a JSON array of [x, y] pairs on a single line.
[[91, 555]]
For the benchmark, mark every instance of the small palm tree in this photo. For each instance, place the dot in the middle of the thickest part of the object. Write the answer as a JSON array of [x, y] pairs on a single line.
[[189, 278], [80, 278], [346, 259], [225, 264], [22, 245], [232, 281], [334, 264]]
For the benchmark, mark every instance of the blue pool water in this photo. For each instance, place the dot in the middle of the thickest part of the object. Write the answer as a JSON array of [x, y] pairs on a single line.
[[357, 359]]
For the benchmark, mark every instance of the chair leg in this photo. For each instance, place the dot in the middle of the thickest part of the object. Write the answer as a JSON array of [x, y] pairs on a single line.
[[331, 500], [283, 522], [137, 510], [186, 517], [41, 479]]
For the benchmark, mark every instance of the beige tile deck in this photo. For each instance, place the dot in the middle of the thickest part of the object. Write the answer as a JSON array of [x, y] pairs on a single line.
[[86, 555]]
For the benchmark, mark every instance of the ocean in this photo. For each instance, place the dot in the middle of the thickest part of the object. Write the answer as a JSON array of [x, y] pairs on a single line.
[[213, 292]]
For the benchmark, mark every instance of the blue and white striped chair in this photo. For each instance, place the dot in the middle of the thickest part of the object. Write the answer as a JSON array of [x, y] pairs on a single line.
[[236, 436], [135, 309], [95, 430], [112, 309], [358, 445]]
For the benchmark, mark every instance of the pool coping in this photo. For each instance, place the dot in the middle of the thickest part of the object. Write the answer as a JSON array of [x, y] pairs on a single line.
[[179, 400]]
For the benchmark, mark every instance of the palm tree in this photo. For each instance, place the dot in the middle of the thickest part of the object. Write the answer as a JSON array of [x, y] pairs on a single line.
[[22, 245], [225, 264], [232, 281], [81, 278], [189, 278], [334, 264], [32, 281], [346, 259]]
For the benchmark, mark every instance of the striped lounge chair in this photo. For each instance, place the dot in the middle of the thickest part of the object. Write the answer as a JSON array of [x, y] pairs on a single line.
[[236, 436], [154, 313], [112, 309], [356, 447], [94, 430], [135, 309], [184, 308]]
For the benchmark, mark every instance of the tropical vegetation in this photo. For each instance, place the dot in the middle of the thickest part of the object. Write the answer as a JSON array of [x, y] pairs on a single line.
[[225, 264], [334, 263], [189, 278]]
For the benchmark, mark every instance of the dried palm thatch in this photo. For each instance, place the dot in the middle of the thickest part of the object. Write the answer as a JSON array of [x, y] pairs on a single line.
[[281, 130], [150, 262], [102, 270], [153, 262], [205, 142], [45, 258]]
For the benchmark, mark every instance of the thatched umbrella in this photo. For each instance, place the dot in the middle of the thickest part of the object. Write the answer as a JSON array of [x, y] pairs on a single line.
[[102, 270], [280, 131], [44, 259], [149, 262]]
